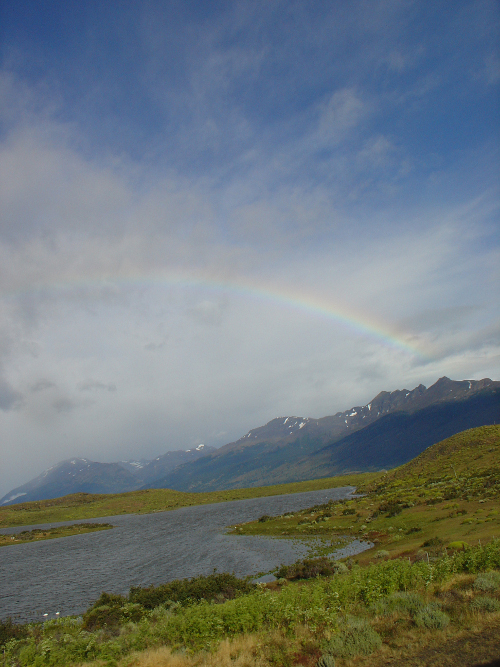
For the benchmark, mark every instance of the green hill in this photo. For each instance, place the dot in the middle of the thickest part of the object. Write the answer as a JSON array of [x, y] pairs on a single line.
[[449, 493]]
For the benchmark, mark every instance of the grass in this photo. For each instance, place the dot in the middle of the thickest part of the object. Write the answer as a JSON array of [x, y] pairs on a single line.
[[446, 496], [90, 506], [38, 534]]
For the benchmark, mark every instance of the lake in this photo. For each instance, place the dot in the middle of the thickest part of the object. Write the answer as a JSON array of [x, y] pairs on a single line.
[[67, 574]]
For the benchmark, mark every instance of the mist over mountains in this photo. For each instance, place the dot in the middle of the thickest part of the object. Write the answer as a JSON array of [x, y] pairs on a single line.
[[386, 432]]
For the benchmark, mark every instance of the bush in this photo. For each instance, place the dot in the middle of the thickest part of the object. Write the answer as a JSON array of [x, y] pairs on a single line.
[[432, 618], [340, 568], [357, 639], [410, 603], [326, 661], [308, 568], [485, 603], [264, 518], [382, 554], [458, 544], [9, 630], [110, 611], [433, 542], [392, 507], [214, 587], [487, 582]]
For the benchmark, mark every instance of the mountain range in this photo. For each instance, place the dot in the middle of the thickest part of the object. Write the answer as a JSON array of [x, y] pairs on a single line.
[[386, 432]]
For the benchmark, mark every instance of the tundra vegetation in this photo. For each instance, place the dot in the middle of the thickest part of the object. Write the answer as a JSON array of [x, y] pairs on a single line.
[[428, 593], [80, 506], [37, 534]]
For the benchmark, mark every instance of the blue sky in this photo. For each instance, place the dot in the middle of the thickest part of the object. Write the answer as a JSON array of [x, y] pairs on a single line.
[[343, 153]]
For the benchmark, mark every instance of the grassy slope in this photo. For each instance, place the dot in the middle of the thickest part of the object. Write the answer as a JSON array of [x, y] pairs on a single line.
[[89, 506], [38, 534], [450, 491]]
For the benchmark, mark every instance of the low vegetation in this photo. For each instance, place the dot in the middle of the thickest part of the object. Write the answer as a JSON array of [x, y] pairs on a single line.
[[443, 499], [91, 506], [367, 614], [38, 534]]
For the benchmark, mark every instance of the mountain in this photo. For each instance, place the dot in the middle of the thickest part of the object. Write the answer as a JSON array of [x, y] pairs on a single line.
[[81, 475], [73, 476], [386, 432], [389, 430], [164, 464]]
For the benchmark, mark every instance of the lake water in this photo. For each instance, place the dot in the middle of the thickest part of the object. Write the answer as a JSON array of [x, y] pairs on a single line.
[[69, 573]]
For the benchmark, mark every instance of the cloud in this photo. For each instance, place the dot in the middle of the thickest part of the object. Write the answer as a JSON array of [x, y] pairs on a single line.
[[94, 385], [42, 384], [261, 210], [10, 399]]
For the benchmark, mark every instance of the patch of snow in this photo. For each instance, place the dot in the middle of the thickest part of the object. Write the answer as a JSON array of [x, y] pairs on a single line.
[[302, 424], [73, 462], [16, 495], [352, 414], [470, 385], [286, 420], [369, 406], [200, 447]]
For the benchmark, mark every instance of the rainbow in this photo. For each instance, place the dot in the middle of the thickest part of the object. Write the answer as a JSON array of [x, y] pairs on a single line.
[[313, 304]]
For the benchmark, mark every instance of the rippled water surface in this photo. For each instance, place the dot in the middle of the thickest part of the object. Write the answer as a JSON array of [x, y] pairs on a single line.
[[69, 573]]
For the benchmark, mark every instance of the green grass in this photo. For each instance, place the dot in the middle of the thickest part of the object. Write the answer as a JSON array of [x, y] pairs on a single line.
[[39, 534], [449, 494], [89, 506]]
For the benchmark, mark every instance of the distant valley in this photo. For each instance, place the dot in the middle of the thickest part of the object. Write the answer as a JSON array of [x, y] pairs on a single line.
[[386, 432]]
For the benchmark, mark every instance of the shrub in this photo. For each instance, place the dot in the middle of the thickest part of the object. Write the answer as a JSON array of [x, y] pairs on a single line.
[[264, 518], [382, 554], [357, 639], [110, 611], [410, 603], [308, 568], [458, 544], [10, 630], [485, 603], [430, 617], [340, 568], [487, 582], [392, 507], [326, 660], [214, 587], [433, 542]]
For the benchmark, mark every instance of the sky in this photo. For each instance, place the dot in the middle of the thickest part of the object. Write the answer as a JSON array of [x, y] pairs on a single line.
[[217, 213]]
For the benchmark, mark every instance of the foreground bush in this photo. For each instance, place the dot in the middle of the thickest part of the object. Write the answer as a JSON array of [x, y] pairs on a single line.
[[214, 587], [432, 618], [307, 569], [358, 638]]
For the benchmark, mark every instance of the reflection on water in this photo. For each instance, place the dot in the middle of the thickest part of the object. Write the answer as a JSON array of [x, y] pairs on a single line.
[[69, 573]]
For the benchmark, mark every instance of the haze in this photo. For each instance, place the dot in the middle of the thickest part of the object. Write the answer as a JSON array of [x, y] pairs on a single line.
[[213, 214]]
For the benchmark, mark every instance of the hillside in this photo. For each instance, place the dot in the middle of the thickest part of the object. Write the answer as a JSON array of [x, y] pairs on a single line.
[[449, 493], [388, 441], [387, 431], [84, 476]]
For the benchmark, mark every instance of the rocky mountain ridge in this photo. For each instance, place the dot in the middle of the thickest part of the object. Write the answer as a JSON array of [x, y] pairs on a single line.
[[282, 450]]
